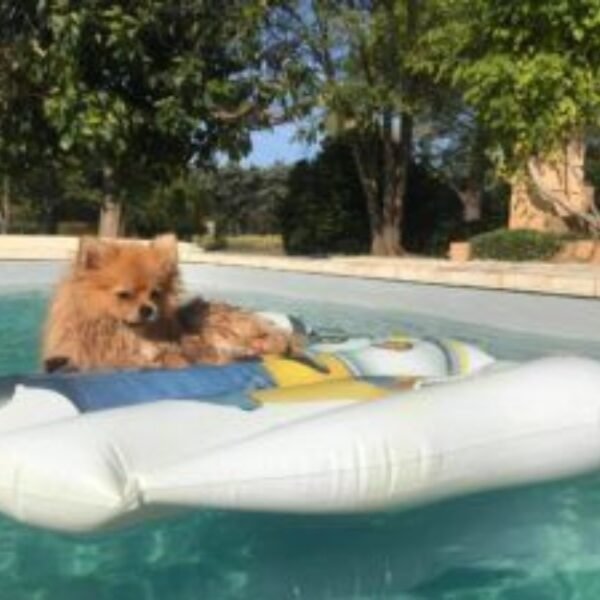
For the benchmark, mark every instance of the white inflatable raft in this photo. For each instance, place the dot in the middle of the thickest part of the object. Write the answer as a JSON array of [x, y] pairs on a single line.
[[330, 446]]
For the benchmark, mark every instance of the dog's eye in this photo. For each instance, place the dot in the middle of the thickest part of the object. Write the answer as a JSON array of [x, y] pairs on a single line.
[[155, 294], [124, 295]]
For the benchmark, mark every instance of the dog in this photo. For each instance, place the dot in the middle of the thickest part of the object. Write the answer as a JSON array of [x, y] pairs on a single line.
[[119, 308]]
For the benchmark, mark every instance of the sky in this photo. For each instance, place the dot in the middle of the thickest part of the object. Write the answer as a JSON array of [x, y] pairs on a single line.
[[277, 145]]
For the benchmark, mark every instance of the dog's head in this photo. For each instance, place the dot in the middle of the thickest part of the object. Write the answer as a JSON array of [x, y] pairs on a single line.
[[132, 282]]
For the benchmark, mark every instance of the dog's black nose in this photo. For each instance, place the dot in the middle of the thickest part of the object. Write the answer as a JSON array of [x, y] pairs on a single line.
[[147, 312]]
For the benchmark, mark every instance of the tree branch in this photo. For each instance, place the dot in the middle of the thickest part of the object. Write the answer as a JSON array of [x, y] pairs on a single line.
[[592, 220]]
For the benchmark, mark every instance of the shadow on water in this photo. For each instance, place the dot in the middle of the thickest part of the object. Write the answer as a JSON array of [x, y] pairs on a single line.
[[536, 542]]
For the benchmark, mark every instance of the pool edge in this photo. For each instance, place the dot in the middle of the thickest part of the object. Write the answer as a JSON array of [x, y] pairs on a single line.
[[572, 279]]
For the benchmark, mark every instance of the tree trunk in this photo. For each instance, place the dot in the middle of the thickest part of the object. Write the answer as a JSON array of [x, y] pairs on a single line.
[[384, 194], [382, 160], [49, 221], [366, 166], [384, 184], [470, 198], [111, 208], [552, 195], [471, 190], [5, 210], [386, 232], [385, 239]]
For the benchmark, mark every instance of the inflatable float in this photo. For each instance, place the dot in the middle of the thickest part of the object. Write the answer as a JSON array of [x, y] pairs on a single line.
[[355, 426]]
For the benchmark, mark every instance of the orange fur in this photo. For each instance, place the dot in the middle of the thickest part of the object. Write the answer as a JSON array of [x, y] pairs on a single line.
[[119, 308]]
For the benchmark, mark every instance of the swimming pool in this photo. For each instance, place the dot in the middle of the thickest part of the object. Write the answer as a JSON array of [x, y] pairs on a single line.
[[536, 542]]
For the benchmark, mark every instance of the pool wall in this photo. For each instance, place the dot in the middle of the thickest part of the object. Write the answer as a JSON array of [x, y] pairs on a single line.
[[570, 279], [569, 317]]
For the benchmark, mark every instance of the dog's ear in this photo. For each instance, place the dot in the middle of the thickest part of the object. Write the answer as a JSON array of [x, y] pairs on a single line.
[[93, 252], [166, 246]]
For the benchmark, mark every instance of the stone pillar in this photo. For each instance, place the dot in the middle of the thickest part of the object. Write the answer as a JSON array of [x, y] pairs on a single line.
[[552, 192]]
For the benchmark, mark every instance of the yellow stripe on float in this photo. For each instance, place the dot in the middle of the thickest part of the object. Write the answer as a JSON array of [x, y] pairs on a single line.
[[462, 353], [324, 391], [287, 372]]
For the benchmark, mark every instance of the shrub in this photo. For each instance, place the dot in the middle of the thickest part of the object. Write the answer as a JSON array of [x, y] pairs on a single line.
[[516, 245], [432, 214], [324, 210]]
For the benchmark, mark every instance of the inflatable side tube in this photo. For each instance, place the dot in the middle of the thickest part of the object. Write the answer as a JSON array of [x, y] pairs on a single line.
[[83, 474], [531, 423]]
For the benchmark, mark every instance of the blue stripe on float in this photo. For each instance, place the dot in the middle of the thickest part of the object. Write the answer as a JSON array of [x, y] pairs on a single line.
[[223, 384]]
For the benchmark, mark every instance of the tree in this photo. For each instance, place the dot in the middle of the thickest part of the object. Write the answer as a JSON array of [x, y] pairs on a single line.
[[243, 200], [26, 140], [139, 90], [363, 91], [451, 144], [179, 205], [529, 70], [324, 211]]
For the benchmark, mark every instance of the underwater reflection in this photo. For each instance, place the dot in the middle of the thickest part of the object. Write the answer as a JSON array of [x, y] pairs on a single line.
[[535, 542]]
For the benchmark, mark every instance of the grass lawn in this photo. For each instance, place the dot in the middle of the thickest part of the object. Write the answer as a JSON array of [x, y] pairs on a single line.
[[248, 244]]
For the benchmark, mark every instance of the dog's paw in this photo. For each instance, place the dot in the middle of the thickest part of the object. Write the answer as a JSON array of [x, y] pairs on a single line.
[[277, 342], [174, 360]]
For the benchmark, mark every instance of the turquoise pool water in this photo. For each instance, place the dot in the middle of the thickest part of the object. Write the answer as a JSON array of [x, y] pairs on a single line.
[[536, 542]]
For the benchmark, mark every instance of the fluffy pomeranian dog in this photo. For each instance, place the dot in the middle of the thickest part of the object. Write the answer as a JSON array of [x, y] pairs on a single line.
[[119, 308]]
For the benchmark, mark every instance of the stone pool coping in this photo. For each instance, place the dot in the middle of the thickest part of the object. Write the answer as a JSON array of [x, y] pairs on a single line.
[[580, 280]]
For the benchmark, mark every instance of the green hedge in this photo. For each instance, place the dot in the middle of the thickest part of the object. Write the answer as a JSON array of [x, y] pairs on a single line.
[[516, 245]]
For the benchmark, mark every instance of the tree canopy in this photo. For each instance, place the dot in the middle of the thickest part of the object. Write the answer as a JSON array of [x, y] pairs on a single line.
[[135, 89], [529, 69], [119, 100]]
